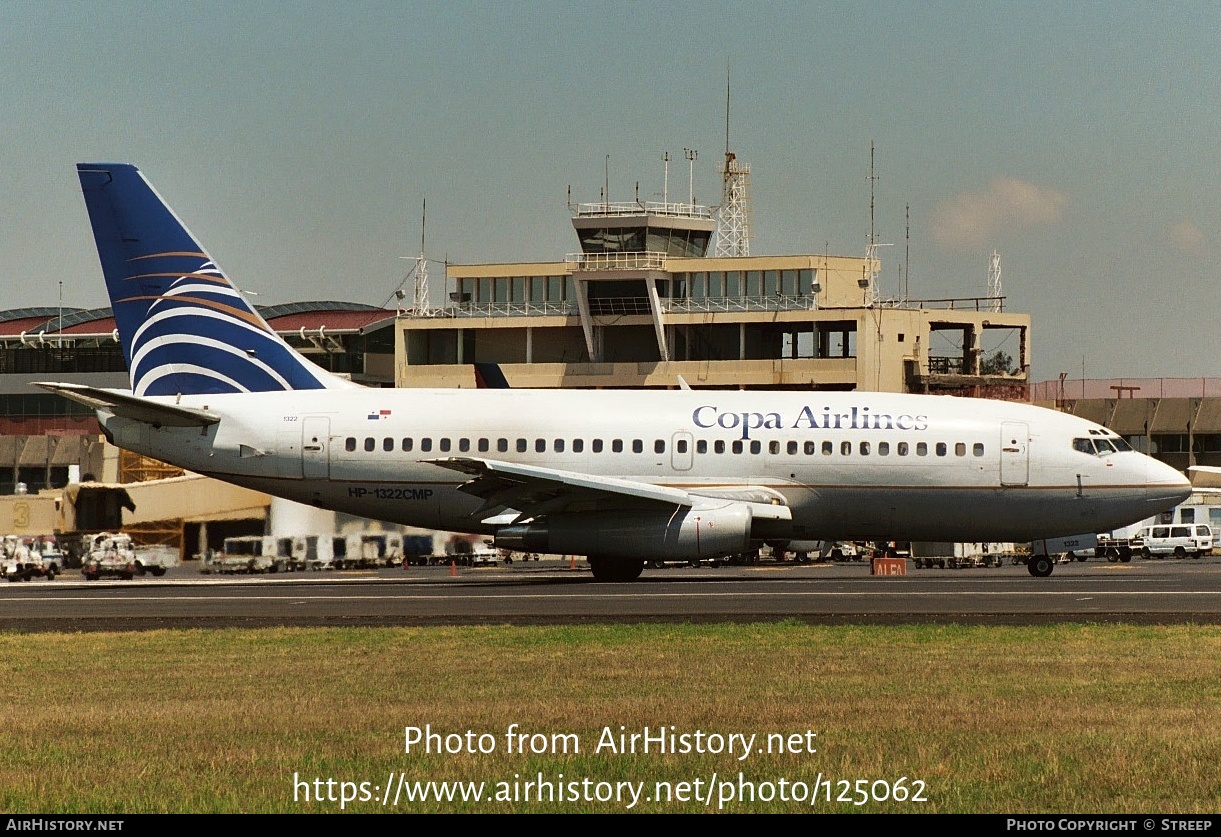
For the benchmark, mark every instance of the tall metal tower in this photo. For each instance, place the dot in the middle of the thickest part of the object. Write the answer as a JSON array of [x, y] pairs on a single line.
[[995, 293], [420, 306], [733, 215]]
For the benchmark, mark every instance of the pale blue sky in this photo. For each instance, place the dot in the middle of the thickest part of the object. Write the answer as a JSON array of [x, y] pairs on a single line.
[[297, 140]]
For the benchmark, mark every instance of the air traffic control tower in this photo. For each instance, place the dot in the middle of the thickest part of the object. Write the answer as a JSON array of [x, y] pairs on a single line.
[[625, 248]]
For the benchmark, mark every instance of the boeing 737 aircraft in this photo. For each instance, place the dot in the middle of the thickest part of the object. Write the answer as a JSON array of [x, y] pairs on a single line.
[[621, 477]]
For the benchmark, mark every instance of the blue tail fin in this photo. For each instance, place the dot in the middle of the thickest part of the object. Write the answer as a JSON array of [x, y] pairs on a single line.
[[184, 328]]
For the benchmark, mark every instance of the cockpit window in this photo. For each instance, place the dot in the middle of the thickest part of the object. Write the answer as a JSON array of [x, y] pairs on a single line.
[[1103, 446], [1100, 447], [1083, 446], [1121, 444]]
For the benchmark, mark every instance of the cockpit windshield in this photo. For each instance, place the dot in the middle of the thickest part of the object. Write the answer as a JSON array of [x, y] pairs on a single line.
[[1101, 447]]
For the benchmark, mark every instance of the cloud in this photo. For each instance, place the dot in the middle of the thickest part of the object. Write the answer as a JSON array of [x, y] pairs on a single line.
[[971, 220], [1187, 237]]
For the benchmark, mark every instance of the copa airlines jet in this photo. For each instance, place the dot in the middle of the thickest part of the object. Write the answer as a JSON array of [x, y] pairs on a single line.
[[621, 477]]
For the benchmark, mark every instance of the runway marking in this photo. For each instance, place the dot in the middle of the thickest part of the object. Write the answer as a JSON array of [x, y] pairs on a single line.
[[642, 597]]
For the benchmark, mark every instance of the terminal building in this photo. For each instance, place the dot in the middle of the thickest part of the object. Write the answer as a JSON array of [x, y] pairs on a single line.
[[643, 303]]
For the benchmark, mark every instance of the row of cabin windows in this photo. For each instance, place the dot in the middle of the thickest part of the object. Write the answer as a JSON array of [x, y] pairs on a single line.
[[792, 448]]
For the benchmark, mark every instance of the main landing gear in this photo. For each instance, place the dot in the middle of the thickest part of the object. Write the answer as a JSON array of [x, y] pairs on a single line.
[[616, 569], [1040, 566]]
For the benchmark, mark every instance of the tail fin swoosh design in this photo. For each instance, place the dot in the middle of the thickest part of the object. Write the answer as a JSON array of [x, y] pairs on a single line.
[[184, 327]]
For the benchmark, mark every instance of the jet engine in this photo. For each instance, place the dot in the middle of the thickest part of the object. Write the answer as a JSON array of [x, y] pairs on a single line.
[[684, 534]]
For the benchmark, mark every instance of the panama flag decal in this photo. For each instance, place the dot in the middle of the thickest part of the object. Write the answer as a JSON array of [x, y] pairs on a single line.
[[380, 414]]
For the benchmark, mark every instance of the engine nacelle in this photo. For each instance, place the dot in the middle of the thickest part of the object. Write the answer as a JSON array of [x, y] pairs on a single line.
[[684, 534]]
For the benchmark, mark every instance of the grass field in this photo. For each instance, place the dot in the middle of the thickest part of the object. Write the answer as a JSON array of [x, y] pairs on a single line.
[[1061, 719]]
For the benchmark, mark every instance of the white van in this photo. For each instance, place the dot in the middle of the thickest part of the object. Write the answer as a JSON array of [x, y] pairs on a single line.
[[1178, 540]]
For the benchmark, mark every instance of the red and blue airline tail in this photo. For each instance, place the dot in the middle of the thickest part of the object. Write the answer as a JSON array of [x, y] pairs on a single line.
[[184, 327]]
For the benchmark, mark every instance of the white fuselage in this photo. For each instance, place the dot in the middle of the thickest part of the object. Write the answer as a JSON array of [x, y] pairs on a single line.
[[849, 465]]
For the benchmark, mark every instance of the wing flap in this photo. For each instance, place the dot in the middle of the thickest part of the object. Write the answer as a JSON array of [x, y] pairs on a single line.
[[532, 490]]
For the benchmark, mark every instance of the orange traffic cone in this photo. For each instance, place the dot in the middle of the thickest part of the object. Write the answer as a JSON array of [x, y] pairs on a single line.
[[453, 568]]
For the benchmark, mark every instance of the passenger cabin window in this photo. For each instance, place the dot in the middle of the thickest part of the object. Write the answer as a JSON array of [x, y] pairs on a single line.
[[370, 443], [792, 448], [637, 446], [773, 447], [617, 446], [540, 445], [483, 445], [350, 444], [960, 449], [680, 446], [522, 445], [578, 445], [718, 446], [845, 448], [810, 448], [464, 445], [756, 446], [864, 448], [426, 444], [443, 444], [737, 446], [387, 444], [701, 446], [978, 450], [407, 444], [827, 449], [883, 448], [660, 447], [597, 445], [921, 448], [902, 448], [941, 449], [558, 446]]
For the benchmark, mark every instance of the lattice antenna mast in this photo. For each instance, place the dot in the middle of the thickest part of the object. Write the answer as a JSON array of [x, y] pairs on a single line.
[[733, 215], [869, 273], [996, 293], [420, 306]]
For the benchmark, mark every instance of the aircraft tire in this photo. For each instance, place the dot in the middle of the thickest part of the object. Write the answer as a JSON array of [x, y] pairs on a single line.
[[1040, 566], [616, 569]]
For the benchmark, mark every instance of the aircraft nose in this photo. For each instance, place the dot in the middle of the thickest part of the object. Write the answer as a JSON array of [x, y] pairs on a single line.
[[1165, 486]]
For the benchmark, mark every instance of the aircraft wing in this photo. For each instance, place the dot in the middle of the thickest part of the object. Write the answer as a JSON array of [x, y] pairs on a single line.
[[134, 407], [534, 491]]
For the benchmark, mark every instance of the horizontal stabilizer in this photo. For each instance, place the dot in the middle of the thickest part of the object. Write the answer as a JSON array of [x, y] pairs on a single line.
[[133, 407]]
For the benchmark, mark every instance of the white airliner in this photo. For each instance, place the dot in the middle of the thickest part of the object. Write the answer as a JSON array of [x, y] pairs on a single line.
[[622, 477]]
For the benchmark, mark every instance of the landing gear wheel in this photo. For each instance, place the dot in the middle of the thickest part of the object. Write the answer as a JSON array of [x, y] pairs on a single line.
[[1040, 566], [616, 569]]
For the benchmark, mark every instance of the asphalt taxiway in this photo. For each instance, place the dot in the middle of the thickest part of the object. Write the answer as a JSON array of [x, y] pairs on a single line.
[[556, 592]]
